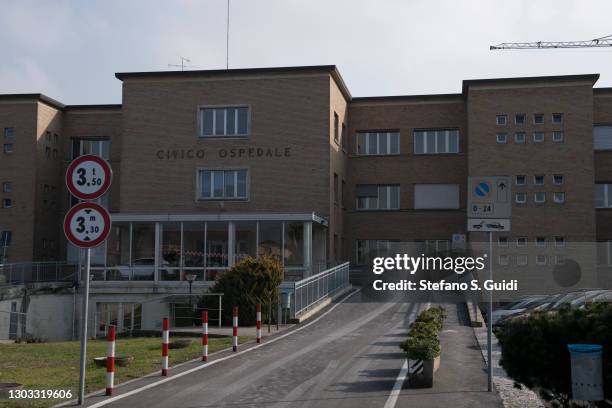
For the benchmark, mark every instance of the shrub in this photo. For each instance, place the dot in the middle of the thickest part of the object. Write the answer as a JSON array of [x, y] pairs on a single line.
[[423, 342], [421, 347], [534, 348], [250, 281]]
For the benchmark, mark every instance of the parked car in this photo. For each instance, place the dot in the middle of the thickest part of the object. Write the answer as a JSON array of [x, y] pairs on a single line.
[[517, 307]]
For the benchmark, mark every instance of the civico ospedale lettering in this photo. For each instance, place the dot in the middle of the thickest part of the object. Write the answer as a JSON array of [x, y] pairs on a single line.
[[232, 153]]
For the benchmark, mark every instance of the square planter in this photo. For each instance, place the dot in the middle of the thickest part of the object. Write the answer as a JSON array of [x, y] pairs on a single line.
[[423, 378]]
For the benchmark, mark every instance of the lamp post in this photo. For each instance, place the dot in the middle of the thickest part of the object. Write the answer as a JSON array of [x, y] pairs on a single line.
[[190, 278]]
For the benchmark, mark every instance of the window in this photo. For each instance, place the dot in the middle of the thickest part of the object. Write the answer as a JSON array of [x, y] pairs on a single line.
[[343, 194], [48, 136], [520, 180], [47, 152], [521, 241], [538, 137], [501, 119], [559, 242], [55, 139], [538, 180], [538, 118], [519, 119], [520, 137], [557, 136], [99, 147], [366, 249], [377, 143], [540, 242], [8, 148], [7, 203], [604, 253], [436, 141], [6, 238], [436, 246], [343, 136], [520, 198], [503, 260], [502, 241], [377, 197], [336, 128], [558, 197], [501, 137], [602, 137], [558, 179], [436, 196], [557, 118], [540, 260], [539, 197], [9, 132], [336, 248], [55, 153], [603, 195], [223, 184], [521, 260], [336, 189], [7, 187], [224, 121]]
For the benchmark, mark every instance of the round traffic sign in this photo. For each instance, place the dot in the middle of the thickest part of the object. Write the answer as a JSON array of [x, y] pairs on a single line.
[[88, 177], [482, 189], [87, 225]]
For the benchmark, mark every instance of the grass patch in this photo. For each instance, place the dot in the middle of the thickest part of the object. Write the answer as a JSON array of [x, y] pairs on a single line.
[[56, 365]]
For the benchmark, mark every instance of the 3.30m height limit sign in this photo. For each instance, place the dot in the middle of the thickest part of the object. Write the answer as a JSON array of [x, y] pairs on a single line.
[[87, 225], [88, 177]]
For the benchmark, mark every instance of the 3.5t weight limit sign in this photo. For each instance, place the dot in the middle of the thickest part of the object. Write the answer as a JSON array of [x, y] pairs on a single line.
[[88, 177], [87, 225]]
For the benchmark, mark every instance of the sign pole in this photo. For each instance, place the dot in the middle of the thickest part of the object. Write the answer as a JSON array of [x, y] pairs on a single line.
[[84, 316], [490, 319]]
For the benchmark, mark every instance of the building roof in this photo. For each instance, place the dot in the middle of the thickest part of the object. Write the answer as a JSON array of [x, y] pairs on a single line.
[[581, 77], [34, 97], [331, 69], [402, 98]]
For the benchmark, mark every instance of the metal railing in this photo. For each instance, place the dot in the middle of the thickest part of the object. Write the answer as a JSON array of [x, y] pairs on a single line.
[[308, 292], [32, 272]]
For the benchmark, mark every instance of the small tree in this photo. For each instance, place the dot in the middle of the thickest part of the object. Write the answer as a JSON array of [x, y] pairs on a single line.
[[250, 281], [535, 354]]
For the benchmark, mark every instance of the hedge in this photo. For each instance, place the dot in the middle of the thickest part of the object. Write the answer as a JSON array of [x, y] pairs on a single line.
[[423, 342], [535, 354], [250, 281]]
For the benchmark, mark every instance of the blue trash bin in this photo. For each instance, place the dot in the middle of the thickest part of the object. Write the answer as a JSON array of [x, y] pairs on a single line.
[[587, 378]]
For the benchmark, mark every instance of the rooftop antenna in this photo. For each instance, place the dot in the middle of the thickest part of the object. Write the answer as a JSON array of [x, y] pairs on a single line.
[[227, 36], [183, 66]]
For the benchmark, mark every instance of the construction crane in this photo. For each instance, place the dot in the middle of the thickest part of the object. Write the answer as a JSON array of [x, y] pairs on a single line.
[[596, 43]]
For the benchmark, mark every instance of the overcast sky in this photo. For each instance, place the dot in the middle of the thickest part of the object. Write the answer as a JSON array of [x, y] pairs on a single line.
[[70, 50]]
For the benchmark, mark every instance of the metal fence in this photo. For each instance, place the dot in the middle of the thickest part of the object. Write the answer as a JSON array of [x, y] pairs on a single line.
[[308, 292], [29, 272]]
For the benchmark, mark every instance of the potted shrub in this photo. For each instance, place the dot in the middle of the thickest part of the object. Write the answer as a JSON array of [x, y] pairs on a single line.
[[423, 346]]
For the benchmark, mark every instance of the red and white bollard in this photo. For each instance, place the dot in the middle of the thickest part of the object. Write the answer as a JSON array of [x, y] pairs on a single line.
[[165, 341], [258, 322], [205, 335], [235, 329], [110, 361]]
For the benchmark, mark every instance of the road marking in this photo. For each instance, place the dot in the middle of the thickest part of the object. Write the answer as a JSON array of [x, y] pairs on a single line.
[[397, 387], [401, 377], [191, 370]]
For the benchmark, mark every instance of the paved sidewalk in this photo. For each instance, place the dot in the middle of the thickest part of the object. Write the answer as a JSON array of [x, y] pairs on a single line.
[[461, 380]]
